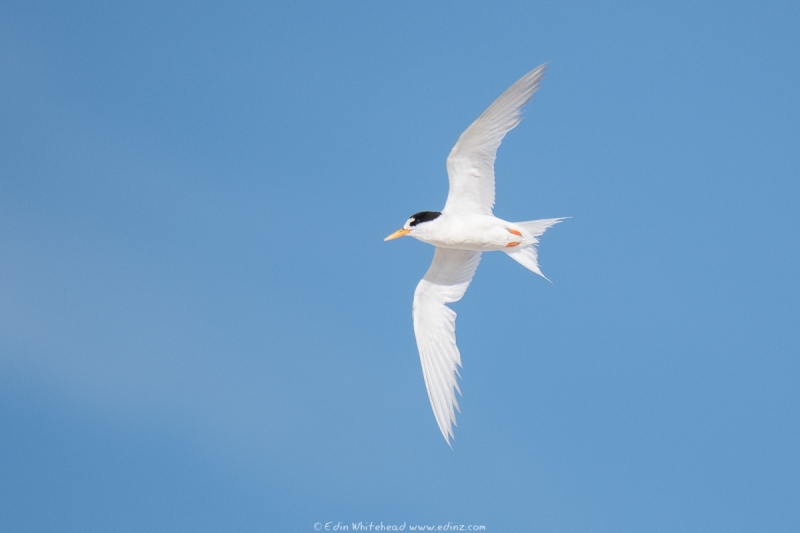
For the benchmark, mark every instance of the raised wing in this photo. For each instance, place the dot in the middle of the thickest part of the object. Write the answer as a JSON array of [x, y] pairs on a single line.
[[445, 282], [470, 165]]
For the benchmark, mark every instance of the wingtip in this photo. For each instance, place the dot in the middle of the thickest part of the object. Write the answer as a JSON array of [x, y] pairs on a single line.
[[447, 433], [539, 71]]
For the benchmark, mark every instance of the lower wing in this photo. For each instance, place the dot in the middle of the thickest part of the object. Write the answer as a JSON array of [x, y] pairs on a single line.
[[445, 282]]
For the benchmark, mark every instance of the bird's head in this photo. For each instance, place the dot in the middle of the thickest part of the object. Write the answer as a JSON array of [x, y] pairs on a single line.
[[413, 223]]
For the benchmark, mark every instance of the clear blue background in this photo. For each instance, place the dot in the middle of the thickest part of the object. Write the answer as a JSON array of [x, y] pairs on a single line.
[[202, 330]]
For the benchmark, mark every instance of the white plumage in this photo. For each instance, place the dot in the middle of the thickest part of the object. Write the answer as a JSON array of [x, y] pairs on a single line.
[[461, 231]]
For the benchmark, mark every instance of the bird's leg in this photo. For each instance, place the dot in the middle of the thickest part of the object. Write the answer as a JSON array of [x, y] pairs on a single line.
[[514, 243], [515, 232]]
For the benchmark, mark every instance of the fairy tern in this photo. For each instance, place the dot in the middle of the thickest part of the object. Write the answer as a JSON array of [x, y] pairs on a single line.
[[461, 231]]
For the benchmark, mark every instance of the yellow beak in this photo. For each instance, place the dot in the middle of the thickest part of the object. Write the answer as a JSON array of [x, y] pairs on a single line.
[[397, 234]]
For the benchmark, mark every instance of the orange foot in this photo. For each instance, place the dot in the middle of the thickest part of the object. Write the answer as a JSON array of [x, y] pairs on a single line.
[[515, 232], [509, 245]]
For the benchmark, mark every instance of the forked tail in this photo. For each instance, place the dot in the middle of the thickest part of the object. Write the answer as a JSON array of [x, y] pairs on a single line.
[[526, 255]]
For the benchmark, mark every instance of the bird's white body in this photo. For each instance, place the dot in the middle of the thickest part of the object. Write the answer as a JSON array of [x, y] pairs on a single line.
[[463, 230], [481, 233]]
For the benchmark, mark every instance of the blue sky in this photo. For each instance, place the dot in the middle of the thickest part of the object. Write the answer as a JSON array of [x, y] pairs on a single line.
[[202, 330]]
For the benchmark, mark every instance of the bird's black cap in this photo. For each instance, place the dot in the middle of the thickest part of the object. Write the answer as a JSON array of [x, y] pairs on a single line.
[[424, 216]]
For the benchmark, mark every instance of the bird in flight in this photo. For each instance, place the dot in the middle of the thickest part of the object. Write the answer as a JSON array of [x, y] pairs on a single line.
[[461, 231]]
